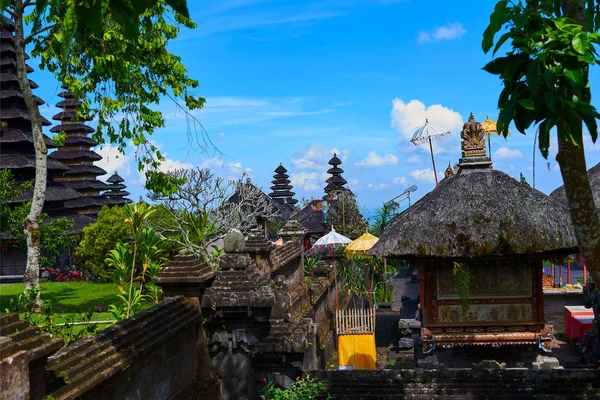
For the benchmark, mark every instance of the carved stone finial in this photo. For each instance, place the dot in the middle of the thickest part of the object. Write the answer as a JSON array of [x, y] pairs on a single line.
[[449, 172], [234, 242], [473, 139]]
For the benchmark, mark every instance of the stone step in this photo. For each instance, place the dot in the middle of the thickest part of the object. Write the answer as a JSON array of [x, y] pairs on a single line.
[[12, 326]]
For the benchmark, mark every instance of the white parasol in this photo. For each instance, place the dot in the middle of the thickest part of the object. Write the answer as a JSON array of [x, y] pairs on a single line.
[[424, 135], [333, 238]]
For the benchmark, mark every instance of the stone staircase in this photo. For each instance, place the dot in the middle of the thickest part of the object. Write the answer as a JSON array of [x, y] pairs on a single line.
[[462, 384]]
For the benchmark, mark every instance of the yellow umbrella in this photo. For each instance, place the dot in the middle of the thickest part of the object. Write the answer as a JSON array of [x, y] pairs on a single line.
[[361, 245], [490, 127]]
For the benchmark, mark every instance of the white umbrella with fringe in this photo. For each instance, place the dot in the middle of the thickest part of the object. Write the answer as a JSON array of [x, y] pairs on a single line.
[[333, 238], [426, 134]]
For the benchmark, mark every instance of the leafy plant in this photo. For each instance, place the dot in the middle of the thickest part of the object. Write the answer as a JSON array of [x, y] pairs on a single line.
[[41, 316], [302, 389], [463, 279], [98, 239], [545, 78]]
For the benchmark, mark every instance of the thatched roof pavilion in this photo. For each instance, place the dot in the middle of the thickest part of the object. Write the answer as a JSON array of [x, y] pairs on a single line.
[[500, 230], [560, 195], [479, 213]]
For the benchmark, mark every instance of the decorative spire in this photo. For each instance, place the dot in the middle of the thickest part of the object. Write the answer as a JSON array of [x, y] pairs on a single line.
[[76, 153], [336, 182], [281, 189], [449, 172], [116, 194]]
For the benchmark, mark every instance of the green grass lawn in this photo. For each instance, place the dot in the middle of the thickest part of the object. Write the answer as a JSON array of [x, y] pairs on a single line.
[[70, 298]]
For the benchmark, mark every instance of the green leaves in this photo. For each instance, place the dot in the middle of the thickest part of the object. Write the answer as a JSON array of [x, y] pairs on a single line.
[[497, 19], [545, 73]]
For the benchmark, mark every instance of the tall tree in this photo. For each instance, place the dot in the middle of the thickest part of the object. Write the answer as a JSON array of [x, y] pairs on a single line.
[[545, 78], [118, 65]]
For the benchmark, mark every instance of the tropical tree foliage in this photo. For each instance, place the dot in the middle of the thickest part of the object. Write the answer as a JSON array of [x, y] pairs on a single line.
[[545, 78], [98, 239], [55, 237], [118, 65]]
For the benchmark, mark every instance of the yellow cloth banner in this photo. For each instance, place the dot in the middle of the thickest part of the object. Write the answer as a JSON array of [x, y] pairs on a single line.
[[357, 350]]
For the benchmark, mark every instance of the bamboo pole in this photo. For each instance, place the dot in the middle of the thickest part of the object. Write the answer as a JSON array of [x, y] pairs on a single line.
[[433, 162], [568, 272]]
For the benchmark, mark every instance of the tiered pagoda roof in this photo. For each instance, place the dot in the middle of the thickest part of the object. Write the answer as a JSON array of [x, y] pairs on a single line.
[[116, 194], [77, 155], [17, 152], [336, 182], [281, 189]]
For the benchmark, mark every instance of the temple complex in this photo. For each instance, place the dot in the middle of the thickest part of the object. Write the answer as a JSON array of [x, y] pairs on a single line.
[[482, 229], [116, 195], [76, 154]]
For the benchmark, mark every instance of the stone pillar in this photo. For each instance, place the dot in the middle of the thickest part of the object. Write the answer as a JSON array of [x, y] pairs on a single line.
[[188, 276]]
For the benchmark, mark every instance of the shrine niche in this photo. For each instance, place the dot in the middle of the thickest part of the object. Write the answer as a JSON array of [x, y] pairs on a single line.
[[501, 230]]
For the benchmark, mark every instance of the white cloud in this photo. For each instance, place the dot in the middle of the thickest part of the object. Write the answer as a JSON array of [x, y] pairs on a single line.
[[414, 159], [113, 160], [450, 31], [211, 163], [316, 157], [235, 170], [400, 180], [423, 175], [375, 160], [506, 153], [305, 180], [378, 186], [408, 117], [170, 165]]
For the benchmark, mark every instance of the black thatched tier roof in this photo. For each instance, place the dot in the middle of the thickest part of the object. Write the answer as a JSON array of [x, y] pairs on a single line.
[[22, 161], [10, 77], [312, 219], [87, 185], [79, 221], [335, 170], [12, 94], [18, 136], [336, 182], [560, 195], [69, 116], [67, 154], [9, 114], [335, 161], [84, 202], [82, 128], [117, 193], [84, 170], [54, 192], [479, 213], [11, 62], [281, 189], [115, 178], [80, 141]]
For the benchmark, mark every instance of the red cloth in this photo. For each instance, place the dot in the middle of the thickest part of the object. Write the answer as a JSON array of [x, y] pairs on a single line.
[[580, 324], [574, 310]]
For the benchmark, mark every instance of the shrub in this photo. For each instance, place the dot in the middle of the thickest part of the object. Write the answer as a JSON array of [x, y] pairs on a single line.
[[98, 239]]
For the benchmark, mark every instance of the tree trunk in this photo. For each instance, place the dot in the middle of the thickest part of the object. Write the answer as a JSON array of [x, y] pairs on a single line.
[[31, 224], [571, 160]]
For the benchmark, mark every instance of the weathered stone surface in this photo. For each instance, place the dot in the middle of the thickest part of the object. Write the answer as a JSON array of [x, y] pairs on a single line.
[[234, 242], [406, 343], [430, 362], [543, 362], [489, 364], [14, 379], [263, 297], [449, 384]]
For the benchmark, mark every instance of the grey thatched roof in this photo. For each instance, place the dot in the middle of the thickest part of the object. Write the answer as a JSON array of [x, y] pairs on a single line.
[[479, 213], [64, 153], [560, 195], [312, 219], [18, 136]]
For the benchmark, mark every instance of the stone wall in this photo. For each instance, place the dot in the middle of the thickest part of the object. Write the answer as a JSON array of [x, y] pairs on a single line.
[[462, 384], [157, 354]]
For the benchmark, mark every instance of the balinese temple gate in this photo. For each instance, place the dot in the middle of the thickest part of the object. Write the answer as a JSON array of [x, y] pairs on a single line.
[[499, 230]]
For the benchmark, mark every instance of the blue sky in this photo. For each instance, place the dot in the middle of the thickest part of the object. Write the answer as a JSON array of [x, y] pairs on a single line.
[[292, 81]]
